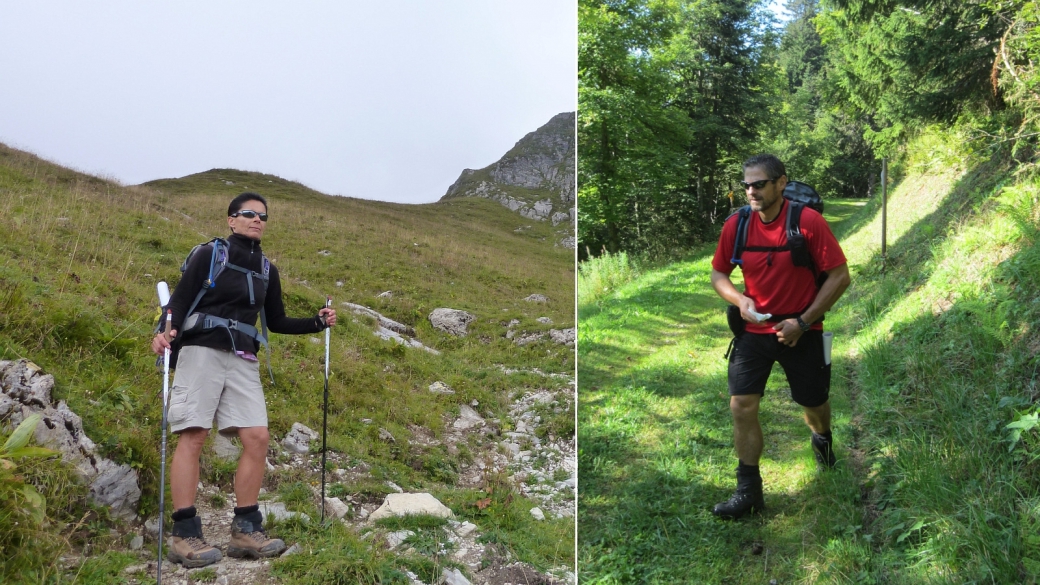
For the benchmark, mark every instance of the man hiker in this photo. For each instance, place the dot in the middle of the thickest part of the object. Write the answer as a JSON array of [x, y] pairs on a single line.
[[218, 379], [792, 335]]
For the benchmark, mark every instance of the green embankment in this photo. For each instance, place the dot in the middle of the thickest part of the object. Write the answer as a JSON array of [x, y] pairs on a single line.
[[79, 260], [934, 356]]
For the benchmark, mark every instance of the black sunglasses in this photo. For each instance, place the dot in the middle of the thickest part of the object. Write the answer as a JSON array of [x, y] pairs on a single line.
[[756, 184], [250, 214]]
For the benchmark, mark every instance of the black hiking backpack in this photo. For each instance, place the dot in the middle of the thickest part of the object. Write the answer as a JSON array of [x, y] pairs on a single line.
[[799, 196]]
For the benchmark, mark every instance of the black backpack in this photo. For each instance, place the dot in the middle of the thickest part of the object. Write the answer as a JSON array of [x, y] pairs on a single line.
[[799, 196]]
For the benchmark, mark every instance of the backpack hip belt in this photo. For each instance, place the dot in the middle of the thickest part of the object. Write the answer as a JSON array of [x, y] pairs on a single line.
[[197, 322]]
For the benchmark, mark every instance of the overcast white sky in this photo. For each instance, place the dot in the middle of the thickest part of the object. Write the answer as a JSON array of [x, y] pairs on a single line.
[[385, 100]]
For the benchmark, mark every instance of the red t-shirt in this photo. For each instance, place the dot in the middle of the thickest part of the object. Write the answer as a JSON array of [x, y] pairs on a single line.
[[770, 278]]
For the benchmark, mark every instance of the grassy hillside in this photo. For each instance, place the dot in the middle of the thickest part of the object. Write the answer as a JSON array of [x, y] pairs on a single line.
[[935, 355], [80, 257]]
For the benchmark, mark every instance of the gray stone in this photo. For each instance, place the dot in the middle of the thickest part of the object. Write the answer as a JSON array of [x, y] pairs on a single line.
[[383, 321], [468, 418], [562, 336], [465, 529], [60, 429], [543, 208], [453, 577], [7, 405], [299, 438], [278, 511], [537, 298], [39, 392], [529, 338], [571, 483], [336, 508], [384, 435], [295, 548], [558, 218], [441, 388], [451, 321], [115, 487], [396, 539], [406, 504], [544, 320], [137, 542], [387, 334], [537, 513], [151, 526], [225, 448]]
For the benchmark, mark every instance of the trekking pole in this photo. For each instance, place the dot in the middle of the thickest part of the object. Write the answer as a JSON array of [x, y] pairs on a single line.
[[325, 411], [164, 299]]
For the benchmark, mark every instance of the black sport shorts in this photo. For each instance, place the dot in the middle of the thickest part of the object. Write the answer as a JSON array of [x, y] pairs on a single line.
[[753, 357]]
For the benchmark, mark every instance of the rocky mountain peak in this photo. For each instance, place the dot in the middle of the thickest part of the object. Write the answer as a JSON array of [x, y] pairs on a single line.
[[535, 178]]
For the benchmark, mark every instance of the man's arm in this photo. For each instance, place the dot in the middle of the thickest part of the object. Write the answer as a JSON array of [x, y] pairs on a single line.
[[838, 279], [722, 284]]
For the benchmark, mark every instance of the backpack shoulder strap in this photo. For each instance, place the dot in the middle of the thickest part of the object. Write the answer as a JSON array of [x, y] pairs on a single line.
[[217, 262], [740, 242], [794, 218]]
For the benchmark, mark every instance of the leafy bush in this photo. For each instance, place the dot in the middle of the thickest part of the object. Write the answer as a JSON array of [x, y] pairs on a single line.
[[598, 276]]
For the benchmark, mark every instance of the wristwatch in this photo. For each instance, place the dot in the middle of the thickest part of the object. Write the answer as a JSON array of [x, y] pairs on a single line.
[[805, 326]]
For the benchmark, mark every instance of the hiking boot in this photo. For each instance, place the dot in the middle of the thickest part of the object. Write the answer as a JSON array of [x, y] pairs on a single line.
[[823, 449], [187, 546], [748, 498], [248, 538]]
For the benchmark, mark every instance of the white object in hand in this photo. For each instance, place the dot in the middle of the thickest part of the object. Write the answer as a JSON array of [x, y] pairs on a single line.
[[828, 341], [759, 316]]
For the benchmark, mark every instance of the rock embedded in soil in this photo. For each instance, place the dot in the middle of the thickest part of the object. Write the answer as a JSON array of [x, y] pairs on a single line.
[[411, 503]]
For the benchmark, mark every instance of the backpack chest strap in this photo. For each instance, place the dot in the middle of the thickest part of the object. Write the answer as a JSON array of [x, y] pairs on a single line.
[[249, 279]]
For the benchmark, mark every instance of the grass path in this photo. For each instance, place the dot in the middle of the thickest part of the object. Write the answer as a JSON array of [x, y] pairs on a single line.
[[655, 443]]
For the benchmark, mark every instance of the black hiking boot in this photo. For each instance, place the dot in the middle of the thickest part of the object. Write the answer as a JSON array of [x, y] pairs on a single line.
[[823, 449], [748, 497]]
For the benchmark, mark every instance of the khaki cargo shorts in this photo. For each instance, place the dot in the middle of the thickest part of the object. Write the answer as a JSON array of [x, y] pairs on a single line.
[[216, 385]]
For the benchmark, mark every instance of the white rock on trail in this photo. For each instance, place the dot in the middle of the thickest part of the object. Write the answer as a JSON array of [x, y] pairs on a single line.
[[406, 504]]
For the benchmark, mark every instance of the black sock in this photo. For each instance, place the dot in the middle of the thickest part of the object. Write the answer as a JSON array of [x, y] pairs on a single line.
[[184, 513], [247, 510], [745, 469], [825, 436]]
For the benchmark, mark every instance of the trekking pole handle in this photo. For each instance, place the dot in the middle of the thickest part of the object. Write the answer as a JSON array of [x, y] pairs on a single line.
[[164, 293], [328, 303]]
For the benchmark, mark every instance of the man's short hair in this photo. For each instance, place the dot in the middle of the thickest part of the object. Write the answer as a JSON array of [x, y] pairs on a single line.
[[768, 163], [238, 202]]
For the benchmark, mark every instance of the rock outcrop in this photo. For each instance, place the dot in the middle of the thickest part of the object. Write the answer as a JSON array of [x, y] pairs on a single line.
[[25, 390], [535, 178]]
